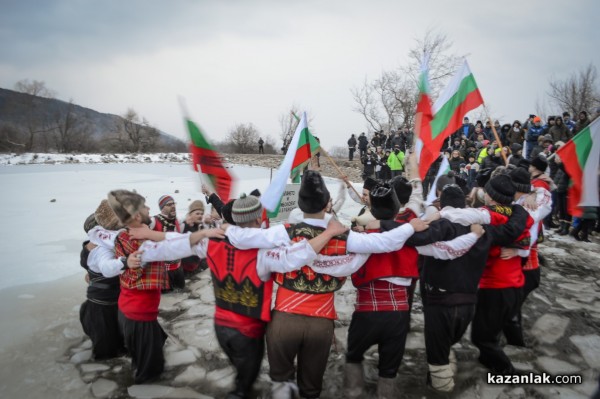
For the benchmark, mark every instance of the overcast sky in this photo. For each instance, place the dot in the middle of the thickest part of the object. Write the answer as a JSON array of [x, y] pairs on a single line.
[[249, 61]]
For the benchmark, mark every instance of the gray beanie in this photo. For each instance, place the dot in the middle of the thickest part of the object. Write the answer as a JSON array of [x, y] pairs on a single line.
[[125, 204], [246, 209]]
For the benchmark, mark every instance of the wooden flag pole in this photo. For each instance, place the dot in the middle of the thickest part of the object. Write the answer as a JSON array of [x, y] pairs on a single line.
[[342, 176], [496, 136]]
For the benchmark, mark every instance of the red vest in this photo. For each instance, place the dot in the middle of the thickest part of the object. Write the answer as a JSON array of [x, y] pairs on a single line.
[[235, 281], [540, 183], [161, 225], [306, 279], [402, 263], [504, 273], [304, 291]]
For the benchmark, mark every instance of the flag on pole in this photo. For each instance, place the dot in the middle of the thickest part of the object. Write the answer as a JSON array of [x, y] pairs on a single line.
[[581, 158], [460, 96], [443, 170], [301, 149], [206, 160], [423, 119]]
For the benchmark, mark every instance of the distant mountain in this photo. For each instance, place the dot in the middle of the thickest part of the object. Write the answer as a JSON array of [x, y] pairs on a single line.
[[32, 123]]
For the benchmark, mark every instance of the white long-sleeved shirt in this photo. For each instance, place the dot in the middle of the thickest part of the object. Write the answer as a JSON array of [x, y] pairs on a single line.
[[102, 258], [469, 216], [415, 202], [281, 259], [360, 246]]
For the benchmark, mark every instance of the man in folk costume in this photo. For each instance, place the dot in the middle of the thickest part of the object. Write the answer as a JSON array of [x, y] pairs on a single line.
[[542, 206], [141, 288], [500, 288], [302, 320], [449, 287], [243, 289], [98, 314], [166, 221]]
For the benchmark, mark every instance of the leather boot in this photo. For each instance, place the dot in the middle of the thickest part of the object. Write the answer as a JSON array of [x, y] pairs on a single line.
[[386, 388], [565, 229], [354, 381]]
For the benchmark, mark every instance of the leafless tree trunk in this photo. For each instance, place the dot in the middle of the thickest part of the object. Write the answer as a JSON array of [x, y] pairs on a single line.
[[66, 129], [579, 92], [288, 124]]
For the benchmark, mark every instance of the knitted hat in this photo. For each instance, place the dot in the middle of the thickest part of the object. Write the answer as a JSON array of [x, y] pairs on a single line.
[[452, 195], [255, 192], [524, 163], [515, 147], [164, 200], [246, 209], [521, 179], [90, 223], [226, 212], [501, 189], [403, 189], [125, 204], [369, 183], [196, 205], [313, 195], [537, 119], [539, 163], [548, 138], [384, 202], [106, 217]]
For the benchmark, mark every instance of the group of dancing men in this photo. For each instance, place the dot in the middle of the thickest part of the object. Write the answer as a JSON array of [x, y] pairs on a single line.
[[472, 265]]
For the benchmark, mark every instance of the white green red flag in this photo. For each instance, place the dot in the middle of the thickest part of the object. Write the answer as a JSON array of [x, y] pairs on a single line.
[[460, 96], [300, 150], [581, 158], [423, 120], [206, 160]]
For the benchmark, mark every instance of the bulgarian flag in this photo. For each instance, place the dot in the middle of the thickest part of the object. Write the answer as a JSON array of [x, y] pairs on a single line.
[[206, 160], [423, 119], [581, 158], [302, 147], [460, 96]]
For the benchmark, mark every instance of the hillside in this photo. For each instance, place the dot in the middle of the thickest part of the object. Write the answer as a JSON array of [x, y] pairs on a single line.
[[32, 123]]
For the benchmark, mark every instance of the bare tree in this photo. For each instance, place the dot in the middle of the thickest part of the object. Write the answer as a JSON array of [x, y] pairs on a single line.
[[390, 101], [135, 134], [579, 92], [288, 124], [243, 138], [35, 88], [71, 132]]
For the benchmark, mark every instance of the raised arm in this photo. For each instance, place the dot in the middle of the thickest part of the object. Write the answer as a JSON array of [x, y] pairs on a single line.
[[388, 241], [249, 237]]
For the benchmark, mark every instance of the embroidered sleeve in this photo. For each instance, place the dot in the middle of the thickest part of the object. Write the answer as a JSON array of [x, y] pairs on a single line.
[[284, 259], [339, 266], [174, 246], [375, 243], [251, 238], [452, 249]]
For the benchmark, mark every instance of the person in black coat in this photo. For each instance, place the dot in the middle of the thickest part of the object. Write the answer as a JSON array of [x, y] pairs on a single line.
[[363, 143]]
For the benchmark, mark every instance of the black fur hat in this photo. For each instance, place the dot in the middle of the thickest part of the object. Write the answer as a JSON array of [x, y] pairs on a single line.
[[227, 212], [369, 183], [384, 202], [501, 189], [452, 195], [483, 177], [313, 195], [539, 163], [402, 187], [521, 179]]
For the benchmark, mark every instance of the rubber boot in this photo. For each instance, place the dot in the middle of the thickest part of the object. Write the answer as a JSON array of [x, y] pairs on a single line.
[[386, 388], [354, 381]]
